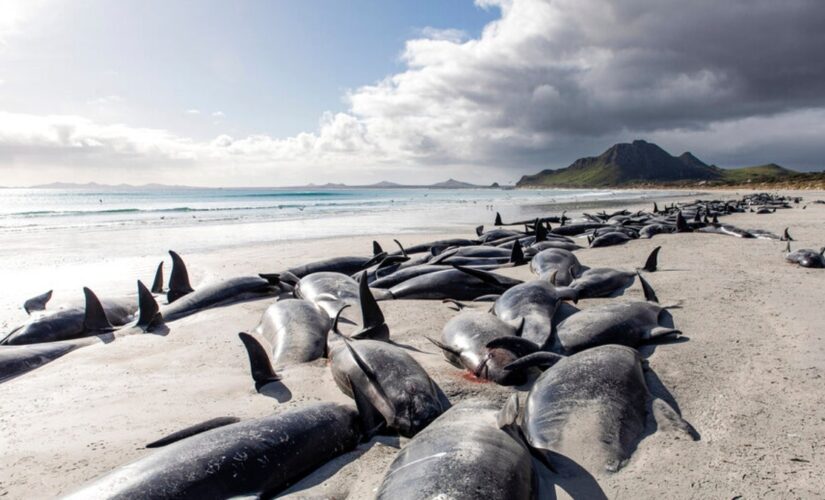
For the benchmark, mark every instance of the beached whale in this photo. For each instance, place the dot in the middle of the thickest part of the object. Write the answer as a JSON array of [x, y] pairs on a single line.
[[470, 452], [610, 239], [624, 323], [296, 329], [18, 359], [806, 257], [562, 263], [459, 283], [484, 345], [184, 301], [293, 342], [396, 385], [606, 282], [329, 291], [535, 303], [94, 317], [592, 407], [258, 457], [435, 247], [343, 265]]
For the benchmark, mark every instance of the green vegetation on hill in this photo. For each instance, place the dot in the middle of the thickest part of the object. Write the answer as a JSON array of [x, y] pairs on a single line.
[[755, 174], [644, 164]]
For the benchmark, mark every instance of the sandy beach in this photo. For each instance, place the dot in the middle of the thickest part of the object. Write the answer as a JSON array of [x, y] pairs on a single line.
[[747, 376]]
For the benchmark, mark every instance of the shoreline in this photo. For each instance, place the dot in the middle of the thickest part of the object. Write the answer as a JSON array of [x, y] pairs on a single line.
[[748, 377]]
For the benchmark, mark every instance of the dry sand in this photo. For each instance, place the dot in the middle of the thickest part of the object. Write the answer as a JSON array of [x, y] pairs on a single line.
[[749, 378]]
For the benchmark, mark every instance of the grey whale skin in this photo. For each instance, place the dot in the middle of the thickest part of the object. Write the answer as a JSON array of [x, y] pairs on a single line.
[[462, 455], [215, 294], [296, 329], [536, 302], [392, 380], [592, 407], [624, 323], [255, 457], [68, 324]]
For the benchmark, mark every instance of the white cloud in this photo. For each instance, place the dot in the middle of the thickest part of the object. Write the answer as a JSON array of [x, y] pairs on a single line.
[[449, 34], [193, 111], [105, 100], [13, 15], [547, 82]]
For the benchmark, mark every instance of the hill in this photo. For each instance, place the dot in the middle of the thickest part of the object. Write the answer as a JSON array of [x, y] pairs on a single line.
[[759, 173], [626, 163]]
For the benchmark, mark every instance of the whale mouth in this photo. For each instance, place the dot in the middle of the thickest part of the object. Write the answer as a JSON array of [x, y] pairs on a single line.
[[483, 371]]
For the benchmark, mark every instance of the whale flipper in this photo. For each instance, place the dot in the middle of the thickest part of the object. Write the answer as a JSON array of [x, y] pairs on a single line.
[[192, 430], [650, 294], [542, 359], [517, 345], [179, 280], [382, 402]]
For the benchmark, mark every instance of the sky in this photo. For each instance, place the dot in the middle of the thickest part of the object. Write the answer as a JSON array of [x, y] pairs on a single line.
[[267, 93]]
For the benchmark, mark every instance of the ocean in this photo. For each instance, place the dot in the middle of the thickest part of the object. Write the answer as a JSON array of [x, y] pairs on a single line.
[[105, 238], [297, 213]]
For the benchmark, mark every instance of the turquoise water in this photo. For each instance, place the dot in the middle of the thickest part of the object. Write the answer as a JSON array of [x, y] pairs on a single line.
[[49, 209]]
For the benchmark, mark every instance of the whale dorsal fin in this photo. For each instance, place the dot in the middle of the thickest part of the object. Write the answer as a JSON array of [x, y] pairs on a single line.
[[94, 319], [149, 311], [190, 431], [652, 261], [179, 280], [479, 230], [498, 221], [375, 326], [443, 347], [157, 284], [541, 231], [681, 223], [400, 246], [516, 254], [260, 365], [376, 248]]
